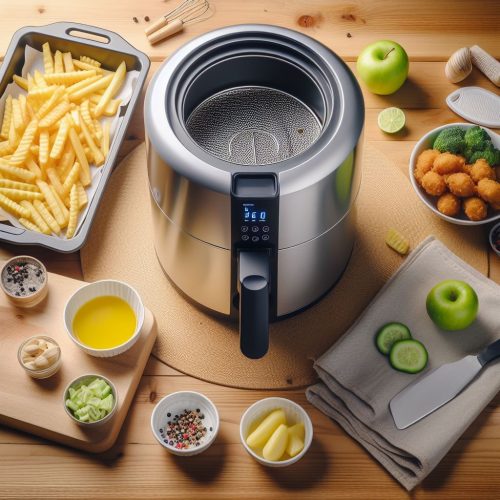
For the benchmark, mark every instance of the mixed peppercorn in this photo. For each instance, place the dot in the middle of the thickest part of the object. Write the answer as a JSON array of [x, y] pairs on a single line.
[[22, 278], [185, 430]]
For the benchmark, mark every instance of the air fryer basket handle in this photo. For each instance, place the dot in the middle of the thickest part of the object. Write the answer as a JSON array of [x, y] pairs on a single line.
[[253, 287]]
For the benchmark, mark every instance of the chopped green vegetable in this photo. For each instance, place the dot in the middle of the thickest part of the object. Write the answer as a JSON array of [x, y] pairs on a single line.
[[492, 156], [390, 333], [450, 140], [476, 139], [409, 356], [90, 403]]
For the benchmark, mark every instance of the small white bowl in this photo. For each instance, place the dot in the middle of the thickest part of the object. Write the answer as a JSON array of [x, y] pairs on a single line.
[[494, 229], [426, 142], [98, 289], [294, 415], [175, 404], [87, 378]]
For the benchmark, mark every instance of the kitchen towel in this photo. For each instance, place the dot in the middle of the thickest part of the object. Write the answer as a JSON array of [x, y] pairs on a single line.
[[120, 246], [357, 381]]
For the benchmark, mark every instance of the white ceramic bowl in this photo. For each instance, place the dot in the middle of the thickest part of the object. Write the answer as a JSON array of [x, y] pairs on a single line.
[[426, 143], [97, 289], [294, 414], [87, 378], [175, 404], [494, 229]]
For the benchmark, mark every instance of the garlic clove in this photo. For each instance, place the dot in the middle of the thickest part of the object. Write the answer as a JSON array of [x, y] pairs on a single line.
[[42, 344], [51, 354], [31, 349], [459, 65], [30, 365], [41, 362]]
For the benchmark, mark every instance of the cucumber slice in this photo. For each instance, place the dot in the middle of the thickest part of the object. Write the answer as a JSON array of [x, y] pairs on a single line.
[[409, 356], [390, 333]]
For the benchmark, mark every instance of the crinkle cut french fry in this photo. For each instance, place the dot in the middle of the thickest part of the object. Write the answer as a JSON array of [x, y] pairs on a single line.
[[82, 159], [51, 102], [84, 65], [90, 89], [105, 138], [17, 116], [36, 217], [38, 95], [13, 137], [96, 152], [24, 110], [89, 60], [62, 134], [54, 180], [29, 225], [20, 81], [58, 62], [25, 186], [62, 207], [82, 195], [51, 202], [112, 89], [19, 173], [33, 167], [13, 207], [85, 114], [7, 117], [19, 195], [69, 78], [68, 62], [66, 161], [43, 153], [39, 79], [48, 61], [71, 179], [54, 114], [5, 148], [47, 216], [73, 212], [80, 85], [23, 148]]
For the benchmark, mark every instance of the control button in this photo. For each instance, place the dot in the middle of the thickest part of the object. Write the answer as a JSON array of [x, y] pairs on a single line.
[[265, 229], [245, 237], [255, 229], [265, 237], [244, 229], [255, 239]]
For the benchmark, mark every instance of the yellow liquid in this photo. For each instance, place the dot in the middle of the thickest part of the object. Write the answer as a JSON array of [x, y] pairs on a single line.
[[104, 322]]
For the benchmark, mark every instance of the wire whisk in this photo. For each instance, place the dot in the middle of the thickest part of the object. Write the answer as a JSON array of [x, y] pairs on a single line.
[[188, 12]]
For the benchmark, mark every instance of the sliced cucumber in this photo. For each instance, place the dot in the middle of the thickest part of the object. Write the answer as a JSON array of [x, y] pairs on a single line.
[[90, 403], [390, 333], [409, 356]]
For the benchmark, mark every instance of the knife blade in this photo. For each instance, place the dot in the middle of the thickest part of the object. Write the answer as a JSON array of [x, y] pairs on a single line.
[[437, 388]]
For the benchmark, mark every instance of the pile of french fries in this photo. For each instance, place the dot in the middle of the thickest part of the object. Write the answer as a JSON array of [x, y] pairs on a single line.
[[51, 135]]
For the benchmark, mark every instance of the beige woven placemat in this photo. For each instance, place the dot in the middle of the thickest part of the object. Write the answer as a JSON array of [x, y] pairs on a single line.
[[120, 246]]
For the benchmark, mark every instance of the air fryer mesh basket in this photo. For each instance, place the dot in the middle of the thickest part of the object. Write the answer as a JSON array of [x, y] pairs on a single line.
[[253, 125]]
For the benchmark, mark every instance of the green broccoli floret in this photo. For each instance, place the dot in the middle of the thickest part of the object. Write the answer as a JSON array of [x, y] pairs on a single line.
[[450, 140], [492, 156], [476, 139]]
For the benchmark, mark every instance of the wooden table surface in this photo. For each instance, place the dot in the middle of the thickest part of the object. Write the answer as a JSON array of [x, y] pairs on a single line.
[[336, 466]]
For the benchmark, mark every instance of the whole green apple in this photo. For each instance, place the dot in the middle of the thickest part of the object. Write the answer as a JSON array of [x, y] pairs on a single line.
[[383, 66], [452, 305]]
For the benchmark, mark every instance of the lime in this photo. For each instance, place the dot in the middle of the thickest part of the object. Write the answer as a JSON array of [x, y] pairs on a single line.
[[391, 120]]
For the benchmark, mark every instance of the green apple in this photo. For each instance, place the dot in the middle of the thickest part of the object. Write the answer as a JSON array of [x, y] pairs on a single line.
[[383, 66], [452, 305]]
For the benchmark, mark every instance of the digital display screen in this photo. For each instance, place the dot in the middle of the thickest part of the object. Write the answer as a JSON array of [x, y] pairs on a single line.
[[253, 214]]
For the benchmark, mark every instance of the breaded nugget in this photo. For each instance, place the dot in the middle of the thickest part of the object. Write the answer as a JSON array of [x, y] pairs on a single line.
[[433, 183], [489, 190], [475, 208], [467, 169], [448, 204], [447, 163], [495, 206], [481, 170], [425, 162], [461, 185]]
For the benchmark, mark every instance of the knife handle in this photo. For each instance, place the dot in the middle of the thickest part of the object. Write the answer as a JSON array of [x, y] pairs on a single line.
[[489, 353]]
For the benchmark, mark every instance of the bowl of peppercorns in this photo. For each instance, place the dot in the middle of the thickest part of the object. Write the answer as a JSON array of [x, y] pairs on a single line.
[[185, 423], [495, 238], [24, 280]]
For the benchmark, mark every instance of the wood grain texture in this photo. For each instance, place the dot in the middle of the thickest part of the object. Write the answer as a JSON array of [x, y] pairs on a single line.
[[336, 467], [18, 390]]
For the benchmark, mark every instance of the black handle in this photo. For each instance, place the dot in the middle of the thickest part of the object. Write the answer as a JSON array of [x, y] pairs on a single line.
[[253, 287], [489, 353]]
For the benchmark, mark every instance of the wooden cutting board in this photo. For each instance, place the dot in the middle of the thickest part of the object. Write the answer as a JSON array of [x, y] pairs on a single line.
[[36, 406]]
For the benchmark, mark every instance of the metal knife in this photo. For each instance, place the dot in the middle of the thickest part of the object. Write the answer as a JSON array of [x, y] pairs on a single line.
[[434, 390]]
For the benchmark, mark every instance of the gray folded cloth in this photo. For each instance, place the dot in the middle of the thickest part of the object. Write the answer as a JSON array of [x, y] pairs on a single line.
[[357, 381]]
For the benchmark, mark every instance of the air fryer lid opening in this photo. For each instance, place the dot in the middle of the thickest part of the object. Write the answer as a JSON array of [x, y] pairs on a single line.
[[254, 109]]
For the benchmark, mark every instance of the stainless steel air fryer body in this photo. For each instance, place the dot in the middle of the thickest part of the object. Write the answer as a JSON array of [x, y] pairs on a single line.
[[252, 159]]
